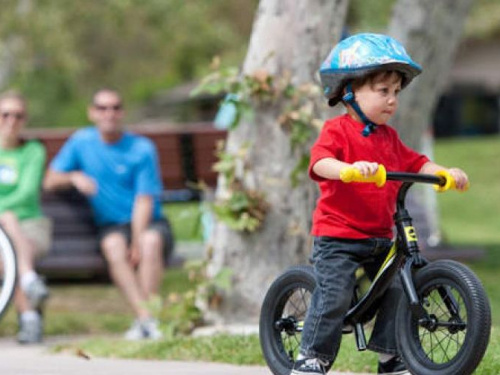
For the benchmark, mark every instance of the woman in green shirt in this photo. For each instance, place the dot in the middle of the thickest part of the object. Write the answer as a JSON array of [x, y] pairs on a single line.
[[22, 164]]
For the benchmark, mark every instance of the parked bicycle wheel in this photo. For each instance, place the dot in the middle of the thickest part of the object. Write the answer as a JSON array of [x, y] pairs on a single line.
[[456, 337], [282, 317], [8, 271]]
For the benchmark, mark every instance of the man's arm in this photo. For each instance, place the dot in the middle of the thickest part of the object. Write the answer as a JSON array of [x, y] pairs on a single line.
[[141, 217], [55, 180]]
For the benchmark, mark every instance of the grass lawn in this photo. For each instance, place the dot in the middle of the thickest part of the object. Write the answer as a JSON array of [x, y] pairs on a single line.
[[472, 217], [467, 219]]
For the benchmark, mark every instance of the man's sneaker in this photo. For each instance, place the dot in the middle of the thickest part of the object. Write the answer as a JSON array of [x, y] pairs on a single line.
[[394, 366], [310, 366], [135, 332], [144, 330], [37, 292], [30, 331], [151, 329]]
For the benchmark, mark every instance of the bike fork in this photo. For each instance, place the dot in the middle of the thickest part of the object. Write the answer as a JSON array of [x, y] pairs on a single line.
[[407, 280], [415, 304], [450, 301]]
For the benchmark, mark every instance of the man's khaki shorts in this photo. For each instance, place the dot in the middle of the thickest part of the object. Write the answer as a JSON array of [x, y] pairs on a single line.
[[39, 231]]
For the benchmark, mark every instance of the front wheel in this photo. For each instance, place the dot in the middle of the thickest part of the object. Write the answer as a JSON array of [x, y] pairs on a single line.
[[282, 317], [454, 337], [8, 271]]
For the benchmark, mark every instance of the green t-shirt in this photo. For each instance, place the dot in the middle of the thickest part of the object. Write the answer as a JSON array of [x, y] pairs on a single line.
[[21, 172]]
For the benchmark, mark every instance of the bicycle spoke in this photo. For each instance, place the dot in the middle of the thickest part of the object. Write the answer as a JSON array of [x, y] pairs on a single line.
[[442, 344], [295, 306], [297, 310]]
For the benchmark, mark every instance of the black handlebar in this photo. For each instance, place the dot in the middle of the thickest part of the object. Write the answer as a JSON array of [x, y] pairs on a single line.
[[416, 177]]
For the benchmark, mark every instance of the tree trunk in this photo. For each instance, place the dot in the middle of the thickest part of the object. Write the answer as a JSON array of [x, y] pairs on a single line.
[[288, 36], [431, 35]]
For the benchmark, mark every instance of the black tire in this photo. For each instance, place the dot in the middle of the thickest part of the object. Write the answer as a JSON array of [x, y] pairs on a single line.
[[451, 348], [8, 271], [282, 315]]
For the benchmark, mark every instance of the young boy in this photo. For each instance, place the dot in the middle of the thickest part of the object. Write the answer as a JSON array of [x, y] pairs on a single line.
[[352, 223]]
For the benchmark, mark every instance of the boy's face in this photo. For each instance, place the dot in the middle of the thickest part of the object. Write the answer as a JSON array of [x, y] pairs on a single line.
[[378, 97]]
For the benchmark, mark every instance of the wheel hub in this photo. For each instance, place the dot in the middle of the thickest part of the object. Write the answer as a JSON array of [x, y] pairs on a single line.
[[430, 323], [289, 324], [456, 324]]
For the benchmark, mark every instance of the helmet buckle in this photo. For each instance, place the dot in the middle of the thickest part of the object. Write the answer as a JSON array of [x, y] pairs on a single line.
[[348, 97]]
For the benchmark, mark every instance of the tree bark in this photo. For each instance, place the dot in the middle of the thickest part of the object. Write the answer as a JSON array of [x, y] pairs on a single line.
[[288, 36], [431, 35]]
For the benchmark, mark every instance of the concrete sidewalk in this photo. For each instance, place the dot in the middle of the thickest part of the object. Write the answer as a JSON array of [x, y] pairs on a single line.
[[37, 360]]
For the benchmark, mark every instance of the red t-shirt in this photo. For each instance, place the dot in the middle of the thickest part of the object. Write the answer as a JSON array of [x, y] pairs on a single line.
[[359, 210]]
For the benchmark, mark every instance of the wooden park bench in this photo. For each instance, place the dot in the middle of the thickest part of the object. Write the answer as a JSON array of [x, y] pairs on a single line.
[[186, 156]]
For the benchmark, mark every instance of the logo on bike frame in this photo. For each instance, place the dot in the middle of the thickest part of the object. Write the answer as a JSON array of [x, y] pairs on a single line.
[[411, 234]]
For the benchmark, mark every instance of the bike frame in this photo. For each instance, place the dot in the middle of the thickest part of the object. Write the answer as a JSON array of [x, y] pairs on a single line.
[[404, 256]]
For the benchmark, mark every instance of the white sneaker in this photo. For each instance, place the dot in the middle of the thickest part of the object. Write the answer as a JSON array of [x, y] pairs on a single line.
[[37, 292], [144, 330], [150, 327], [311, 366], [30, 330], [135, 332]]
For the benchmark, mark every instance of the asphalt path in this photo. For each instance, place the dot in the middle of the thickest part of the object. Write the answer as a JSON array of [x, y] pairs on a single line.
[[39, 360]]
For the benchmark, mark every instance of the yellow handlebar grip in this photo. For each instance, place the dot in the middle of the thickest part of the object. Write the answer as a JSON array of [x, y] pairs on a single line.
[[450, 182], [351, 174]]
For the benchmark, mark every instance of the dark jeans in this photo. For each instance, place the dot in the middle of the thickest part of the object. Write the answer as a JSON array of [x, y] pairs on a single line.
[[335, 263]]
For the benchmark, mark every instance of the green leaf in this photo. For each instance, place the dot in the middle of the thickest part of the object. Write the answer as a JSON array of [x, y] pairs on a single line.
[[223, 279]]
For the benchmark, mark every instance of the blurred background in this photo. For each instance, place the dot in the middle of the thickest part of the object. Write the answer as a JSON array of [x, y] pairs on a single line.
[[155, 52]]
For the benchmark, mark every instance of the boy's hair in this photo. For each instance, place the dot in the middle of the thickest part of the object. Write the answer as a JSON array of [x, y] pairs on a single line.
[[376, 77]]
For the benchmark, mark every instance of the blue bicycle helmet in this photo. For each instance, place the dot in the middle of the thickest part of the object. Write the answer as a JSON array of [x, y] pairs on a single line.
[[358, 56], [362, 54]]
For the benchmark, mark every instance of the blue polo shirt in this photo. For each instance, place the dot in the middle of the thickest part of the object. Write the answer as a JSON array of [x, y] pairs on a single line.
[[122, 171]]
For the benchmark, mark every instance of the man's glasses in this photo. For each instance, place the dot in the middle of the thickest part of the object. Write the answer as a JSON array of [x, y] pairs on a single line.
[[103, 108], [15, 115]]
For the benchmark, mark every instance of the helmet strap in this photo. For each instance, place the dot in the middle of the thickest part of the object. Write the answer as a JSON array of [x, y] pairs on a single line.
[[349, 98]]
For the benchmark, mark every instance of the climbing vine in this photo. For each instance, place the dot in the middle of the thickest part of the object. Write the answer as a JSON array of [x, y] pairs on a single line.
[[244, 209]]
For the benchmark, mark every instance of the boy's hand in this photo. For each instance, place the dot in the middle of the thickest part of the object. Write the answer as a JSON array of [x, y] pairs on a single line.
[[366, 168], [460, 177]]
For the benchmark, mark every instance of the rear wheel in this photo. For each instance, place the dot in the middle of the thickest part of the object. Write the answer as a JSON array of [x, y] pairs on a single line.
[[454, 338], [282, 317], [8, 271]]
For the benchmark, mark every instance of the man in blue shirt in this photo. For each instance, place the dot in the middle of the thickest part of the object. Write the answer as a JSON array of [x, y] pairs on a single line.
[[119, 173]]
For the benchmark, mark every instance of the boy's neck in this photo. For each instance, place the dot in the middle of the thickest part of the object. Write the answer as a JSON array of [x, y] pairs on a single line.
[[352, 113]]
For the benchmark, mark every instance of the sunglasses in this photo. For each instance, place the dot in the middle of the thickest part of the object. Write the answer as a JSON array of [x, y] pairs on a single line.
[[103, 108], [15, 115]]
